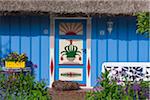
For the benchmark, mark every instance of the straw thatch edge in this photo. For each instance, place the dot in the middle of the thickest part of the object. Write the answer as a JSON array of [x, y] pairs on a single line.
[[74, 7]]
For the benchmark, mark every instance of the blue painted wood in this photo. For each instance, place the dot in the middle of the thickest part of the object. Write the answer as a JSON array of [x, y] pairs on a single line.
[[45, 49], [25, 35], [36, 45], [112, 41], [0, 37], [57, 37], [133, 40], [143, 49], [94, 60], [102, 44], [149, 49], [122, 30], [5, 36], [123, 45], [14, 30]]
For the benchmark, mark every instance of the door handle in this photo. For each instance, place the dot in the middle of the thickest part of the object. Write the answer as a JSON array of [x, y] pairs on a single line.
[[84, 51]]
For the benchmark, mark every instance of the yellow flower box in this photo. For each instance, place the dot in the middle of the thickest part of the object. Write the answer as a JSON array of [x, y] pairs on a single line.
[[12, 64]]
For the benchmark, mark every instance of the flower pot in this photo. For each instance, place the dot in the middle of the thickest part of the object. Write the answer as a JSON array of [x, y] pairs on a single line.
[[14, 65], [70, 58]]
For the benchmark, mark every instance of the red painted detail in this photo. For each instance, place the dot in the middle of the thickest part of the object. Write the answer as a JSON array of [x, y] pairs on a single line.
[[70, 33], [80, 58], [88, 67], [71, 74], [71, 41], [62, 58], [52, 66], [82, 84]]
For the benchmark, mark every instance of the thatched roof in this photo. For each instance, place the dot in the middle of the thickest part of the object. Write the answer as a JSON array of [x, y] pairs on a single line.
[[76, 6]]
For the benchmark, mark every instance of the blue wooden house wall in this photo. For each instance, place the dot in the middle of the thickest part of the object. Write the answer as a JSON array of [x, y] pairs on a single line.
[[122, 45], [30, 35]]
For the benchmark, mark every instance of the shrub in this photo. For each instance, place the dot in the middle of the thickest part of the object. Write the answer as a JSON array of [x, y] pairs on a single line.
[[22, 87], [143, 23], [112, 89]]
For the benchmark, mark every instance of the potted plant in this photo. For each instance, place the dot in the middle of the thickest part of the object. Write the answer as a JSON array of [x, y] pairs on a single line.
[[15, 60], [71, 51]]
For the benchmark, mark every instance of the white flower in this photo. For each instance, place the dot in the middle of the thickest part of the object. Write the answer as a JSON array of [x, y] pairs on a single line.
[[121, 83], [113, 72]]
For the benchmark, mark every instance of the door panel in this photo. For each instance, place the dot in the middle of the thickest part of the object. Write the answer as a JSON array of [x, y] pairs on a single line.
[[70, 46]]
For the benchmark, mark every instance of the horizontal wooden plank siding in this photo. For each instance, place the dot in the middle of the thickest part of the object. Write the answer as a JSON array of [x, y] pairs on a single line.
[[30, 35], [122, 45]]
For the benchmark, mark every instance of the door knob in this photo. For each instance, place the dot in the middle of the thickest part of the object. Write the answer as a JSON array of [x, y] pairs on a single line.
[[84, 50]]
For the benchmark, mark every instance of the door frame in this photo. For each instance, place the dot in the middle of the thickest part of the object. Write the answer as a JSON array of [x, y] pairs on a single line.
[[88, 49]]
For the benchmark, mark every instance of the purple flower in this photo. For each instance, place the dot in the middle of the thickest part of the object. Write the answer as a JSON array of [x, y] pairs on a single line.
[[120, 82], [126, 90], [100, 79], [146, 94], [136, 87], [98, 88], [34, 66]]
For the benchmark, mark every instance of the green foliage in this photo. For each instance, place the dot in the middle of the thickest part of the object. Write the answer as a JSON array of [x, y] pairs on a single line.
[[71, 51], [1, 68], [22, 87], [16, 57], [109, 89], [143, 23]]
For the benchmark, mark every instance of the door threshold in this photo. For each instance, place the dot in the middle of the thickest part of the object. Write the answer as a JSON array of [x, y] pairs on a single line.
[[85, 87]]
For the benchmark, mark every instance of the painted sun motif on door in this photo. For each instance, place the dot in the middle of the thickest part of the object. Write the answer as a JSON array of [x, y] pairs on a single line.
[[70, 51], [71, 29]]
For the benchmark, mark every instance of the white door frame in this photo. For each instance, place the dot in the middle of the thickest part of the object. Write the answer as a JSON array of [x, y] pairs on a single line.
[[88, 49]]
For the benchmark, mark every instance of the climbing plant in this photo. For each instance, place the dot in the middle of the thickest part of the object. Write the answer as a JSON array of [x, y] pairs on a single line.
[[143, 23]]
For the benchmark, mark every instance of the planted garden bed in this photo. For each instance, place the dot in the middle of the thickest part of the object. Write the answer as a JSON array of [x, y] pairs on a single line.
[[112, 88], [17, 81]]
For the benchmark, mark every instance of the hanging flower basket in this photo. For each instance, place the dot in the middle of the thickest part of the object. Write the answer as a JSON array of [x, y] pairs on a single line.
[[12, 64]]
